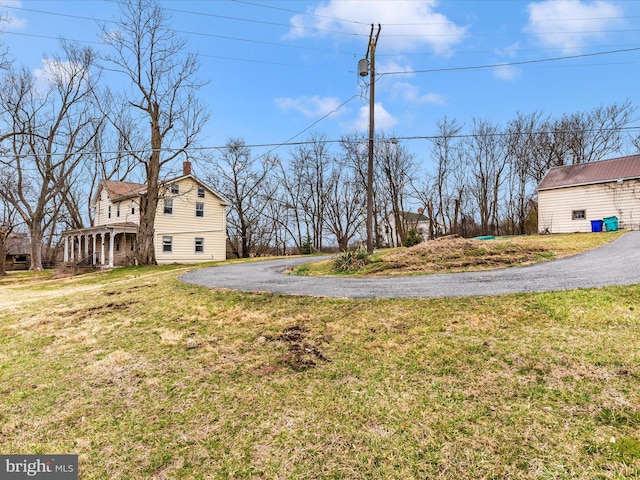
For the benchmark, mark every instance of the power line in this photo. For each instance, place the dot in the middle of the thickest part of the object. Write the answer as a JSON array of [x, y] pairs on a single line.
[[509, 64], [297, 12], [187, 32], [493, 51], [203, 55], [289, 143]]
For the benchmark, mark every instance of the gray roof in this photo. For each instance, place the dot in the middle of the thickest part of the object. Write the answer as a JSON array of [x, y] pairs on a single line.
[[625, 168]]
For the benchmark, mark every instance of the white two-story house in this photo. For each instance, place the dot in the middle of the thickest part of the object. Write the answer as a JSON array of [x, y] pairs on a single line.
[[190, 224]]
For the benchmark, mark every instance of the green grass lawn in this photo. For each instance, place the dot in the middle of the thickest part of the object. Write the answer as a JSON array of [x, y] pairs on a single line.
[[146, 377]]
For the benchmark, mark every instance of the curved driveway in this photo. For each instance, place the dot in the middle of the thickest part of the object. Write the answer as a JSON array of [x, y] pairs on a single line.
[[617, 263]]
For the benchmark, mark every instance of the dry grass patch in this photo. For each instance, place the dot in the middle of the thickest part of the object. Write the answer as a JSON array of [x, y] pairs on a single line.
[[460, 254], [176, 381], [455, 254]]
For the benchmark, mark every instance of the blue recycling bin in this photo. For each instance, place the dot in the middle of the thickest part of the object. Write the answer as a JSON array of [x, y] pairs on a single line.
[[596, 225]]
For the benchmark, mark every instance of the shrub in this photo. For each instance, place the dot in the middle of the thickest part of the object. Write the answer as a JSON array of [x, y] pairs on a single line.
[[413, 238], [307, 246], [352, 260]]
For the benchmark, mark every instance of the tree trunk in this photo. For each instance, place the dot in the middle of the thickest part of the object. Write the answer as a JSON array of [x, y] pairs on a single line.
[[36, 245], [3, 250], [146, 254]]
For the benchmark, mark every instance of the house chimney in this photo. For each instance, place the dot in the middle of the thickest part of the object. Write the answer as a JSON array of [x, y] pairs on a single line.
[[186, 168]]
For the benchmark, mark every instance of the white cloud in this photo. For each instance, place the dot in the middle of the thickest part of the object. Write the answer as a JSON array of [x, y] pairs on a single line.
[[411, 94], [509, 51], [406, 24], [506, 72], [571, 24], [309, 106], [383, 120], [9, 20], [393, 65], [55, 71]]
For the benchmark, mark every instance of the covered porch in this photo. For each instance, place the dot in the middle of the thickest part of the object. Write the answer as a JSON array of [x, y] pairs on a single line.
[[107, 246]]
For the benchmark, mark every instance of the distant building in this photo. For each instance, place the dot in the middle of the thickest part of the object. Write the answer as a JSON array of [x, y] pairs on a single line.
[[190, 224], [389, 233], [571, 196], [18, 252]]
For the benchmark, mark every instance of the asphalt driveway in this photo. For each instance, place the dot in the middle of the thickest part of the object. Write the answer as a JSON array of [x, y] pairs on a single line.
[[617, 263]]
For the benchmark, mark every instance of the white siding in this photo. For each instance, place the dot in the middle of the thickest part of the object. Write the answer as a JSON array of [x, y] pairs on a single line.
[[184, 226], [102, 210], [555, 206]]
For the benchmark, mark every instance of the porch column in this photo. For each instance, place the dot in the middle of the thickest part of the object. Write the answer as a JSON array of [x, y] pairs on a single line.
[[93, 262], [111, 238], [86, 246], [102, 249], [73, 252], [66, 248]]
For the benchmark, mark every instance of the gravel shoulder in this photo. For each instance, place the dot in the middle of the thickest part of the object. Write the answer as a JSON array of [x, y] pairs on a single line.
[[617, 263]]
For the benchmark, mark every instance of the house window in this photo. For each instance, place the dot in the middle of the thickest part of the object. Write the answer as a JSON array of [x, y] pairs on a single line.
[[133, 208], [117, 244], [200, 192], [109, 212], [199, 209], [168, 206], [175, 189], [118, 209], [579, 214], [199, 245], [167, 244]]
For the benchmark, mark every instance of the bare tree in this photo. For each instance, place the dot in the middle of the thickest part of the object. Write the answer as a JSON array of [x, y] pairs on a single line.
[[447, 153], [580, 137], [312, 162], [164, 82], [246, 182], [52, 128], [397, 170], [117, 134], [521, 146], [487, 162], [345, 205]]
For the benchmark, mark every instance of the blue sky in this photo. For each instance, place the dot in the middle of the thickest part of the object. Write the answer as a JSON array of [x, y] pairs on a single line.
[[275, 67]]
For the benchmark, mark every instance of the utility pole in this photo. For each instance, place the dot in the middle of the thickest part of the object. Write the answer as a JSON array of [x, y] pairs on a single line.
[[364, 67]]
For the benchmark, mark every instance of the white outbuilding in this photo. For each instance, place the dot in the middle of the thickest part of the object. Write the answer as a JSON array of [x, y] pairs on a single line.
[[575, 198]]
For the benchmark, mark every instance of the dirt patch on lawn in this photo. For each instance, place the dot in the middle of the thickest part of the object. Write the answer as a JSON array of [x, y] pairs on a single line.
[[303, 352]]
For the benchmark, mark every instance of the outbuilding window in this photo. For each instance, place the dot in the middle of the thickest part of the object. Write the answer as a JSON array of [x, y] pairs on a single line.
[[579, 214]]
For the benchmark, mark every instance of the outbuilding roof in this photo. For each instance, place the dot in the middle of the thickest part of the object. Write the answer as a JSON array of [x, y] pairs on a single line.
[[623, 168]]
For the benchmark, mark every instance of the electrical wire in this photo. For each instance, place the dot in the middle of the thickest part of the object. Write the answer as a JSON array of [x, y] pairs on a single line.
[[289, 143], [509, 64]]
